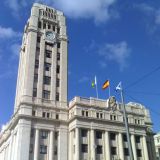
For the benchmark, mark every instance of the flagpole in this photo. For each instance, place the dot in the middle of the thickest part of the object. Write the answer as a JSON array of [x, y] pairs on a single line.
[[109, 90], [96, 86], [126, 122]]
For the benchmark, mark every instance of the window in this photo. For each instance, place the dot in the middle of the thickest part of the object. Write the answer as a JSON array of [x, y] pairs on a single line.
[[44, 134], [47, 80], [99, 149], [113, 150], [112, 136], [44, 25], [35, 78], [33, 113], [43, 149], [84, 148], [31, 148], [58, 56], [84, 133], [86, 113], [57, 82], [113, 117], [58, 45], [58, 68], [124, 137], [55, 150], [32, 132], [34, 92], [48, 115], [126, 152], [44, 114], [47, 66], [39, 24], [139, 153], [57, 96], [38, 39], [58, 30], [36, 63], [46, 94], [101, 115], [98, 134], [97, 115], [48, 53], [138, 139], [49, 26], [53, 28], [57, 116], [82, 113], [56, 135]]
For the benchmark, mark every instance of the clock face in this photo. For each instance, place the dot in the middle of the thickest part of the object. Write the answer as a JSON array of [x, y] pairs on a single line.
[[50, 36]]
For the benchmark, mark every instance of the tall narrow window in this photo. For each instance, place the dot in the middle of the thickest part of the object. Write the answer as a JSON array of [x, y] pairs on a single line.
[[57, 82], [36, 78], [58, 45], [58, 69], [47, 80], [44, 25], [58, 56], [38, 39], [57, 96], [39, 24], [47, 66], [34, 92], [58, 30], [48, 53], [37, 64], [46, 94]]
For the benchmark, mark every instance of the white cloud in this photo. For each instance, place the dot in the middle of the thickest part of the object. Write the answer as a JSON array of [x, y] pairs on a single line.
[[103, 64], [83, 79], [8, 33], [99, 10], [117, 53]]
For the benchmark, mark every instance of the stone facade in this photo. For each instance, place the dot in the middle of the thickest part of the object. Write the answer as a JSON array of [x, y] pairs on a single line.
[[157, 144], [44, 126]]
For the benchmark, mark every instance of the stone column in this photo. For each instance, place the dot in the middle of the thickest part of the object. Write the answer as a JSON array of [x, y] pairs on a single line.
[[134, 147], [36, 145], [70, 145], [51, 145], [10, 146], [145, 151], [93, 146], [77, 151], [107, 146], [121, 148]]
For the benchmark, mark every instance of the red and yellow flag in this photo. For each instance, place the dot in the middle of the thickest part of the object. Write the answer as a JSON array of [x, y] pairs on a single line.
[[106, 84]]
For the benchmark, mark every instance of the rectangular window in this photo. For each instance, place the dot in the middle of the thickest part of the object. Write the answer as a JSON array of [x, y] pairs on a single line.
[[57, 82], [31, 148], [84, 148], [97, 115], [124, 137], [58, 69], [36, 63], [82, 113], [46, 94], [48, 53], [58, 30], [48, 115], [112, 136], [34, 92], [58, 56], [98, 134], [44, 25], [101, 115], [56, 135], [57, 96], [44, 134], [44, 114], [47, 80], [32, 132], [113, 151], [43, 149], [86, 113], [55, 150], [126, 152], [35, 78], [47, 66], [57, 116], [53, 28], [38, 39], [139, 153], [33, 112], [49, 26], [84, 132], [39, 24], [58, 45], [138, 139], [99, 149]]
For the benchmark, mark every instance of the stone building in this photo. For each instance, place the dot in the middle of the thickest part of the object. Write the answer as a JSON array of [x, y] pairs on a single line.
[[157, 144], [45, 126]]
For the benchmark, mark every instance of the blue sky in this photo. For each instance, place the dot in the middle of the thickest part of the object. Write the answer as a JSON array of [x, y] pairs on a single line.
[[116, 40]]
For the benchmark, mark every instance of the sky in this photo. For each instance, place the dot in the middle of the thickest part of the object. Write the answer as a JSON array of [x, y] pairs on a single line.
[[117, 40]]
